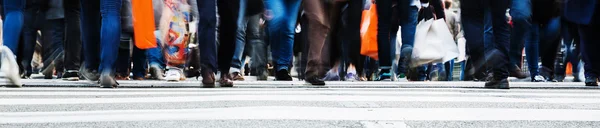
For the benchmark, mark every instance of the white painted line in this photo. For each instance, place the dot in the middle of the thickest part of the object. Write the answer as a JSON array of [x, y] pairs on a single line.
[[318, 92], [335, 98], [306, 113]]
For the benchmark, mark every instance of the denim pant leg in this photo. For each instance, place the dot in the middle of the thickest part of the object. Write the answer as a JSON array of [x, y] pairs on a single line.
[[206, 34], [408, 31], [521, 16], [258, 46], [499, 58], [72, 43], [472, 20], [29, 37], [240, 39], [532, 50], [550, 42], [13, 23], [589, 49], [155, 56], [111, 33], [90, 27], [281, 30]]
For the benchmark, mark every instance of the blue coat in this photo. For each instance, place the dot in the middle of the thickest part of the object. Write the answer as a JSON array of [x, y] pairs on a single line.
[[582, 11]]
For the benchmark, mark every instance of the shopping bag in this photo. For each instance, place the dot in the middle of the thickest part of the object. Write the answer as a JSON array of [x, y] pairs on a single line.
[[433, 43], [173, 31], [143, 24], [368, 31]]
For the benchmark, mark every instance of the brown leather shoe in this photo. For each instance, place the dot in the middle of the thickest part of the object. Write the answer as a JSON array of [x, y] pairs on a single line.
[[208, 78], [517, 72], [237, 76], [226, 80]]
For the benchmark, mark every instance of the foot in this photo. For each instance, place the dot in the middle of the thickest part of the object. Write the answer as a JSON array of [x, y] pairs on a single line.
[[383, 75], [208, 78], [10, 67], [237, 76], [332, 76], [518, 73], [283, 75], [119, 76], [314, 80], [576, 79], [262, 76], [71, 76], [497, 83], [559, 78], [156, 73], [173, 74], [226, 80], [538, 78], [591, 81], [352, 77], [107, 81]]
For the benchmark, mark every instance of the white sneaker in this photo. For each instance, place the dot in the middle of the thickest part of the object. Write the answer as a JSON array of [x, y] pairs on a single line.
[[10, 67], [173, 74]]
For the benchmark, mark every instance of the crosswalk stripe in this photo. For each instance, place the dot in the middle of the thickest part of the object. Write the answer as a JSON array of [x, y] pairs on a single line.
[[72, 93], [305, 113], [25, 101]]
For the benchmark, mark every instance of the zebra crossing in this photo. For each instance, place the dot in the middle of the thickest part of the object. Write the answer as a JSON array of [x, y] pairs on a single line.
[[298, 107]]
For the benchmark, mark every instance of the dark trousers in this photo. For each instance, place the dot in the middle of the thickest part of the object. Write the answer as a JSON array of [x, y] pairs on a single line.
[[258, 47], [34, 19], [72, 43], [228, 12], [590, 44], [321, 17], [571, 44], [206, 34], [472, 19], [137, 56]]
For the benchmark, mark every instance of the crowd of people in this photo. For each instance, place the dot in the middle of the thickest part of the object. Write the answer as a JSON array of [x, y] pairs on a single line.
[[315, 40]]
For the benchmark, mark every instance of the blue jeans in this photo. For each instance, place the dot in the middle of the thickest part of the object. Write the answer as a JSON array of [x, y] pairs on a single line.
[[13, 23], [281, 30], [408, 30], [240, 39], [521, 16], [473, 25], [532, 50], [155, 56], [207, 23], [106, 20]]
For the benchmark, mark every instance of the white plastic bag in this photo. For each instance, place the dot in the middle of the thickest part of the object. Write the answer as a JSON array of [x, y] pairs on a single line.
[[433, 43]]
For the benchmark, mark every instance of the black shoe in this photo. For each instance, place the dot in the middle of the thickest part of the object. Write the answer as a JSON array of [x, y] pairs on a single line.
[[314, 80], [548, 74], [71, 76], [107, 81], [497, 83], [517, 72], [283, 75], [559, 78], [591, 81]]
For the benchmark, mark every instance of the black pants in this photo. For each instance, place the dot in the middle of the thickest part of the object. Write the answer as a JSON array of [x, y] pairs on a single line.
[[228, 12], [72, 44]]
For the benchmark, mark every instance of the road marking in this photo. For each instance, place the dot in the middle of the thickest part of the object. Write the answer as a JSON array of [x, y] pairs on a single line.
[[305, 113], [324, 92], [26, 101]]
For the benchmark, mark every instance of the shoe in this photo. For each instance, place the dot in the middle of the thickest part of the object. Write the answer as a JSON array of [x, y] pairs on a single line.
[[59, 75], [576, 79], [497, 83], [71, 75], [538, 78], [48, 71], [283, 75], [547, 73], [352, 77], [208, 78], [331, 76], [138, 78], [173, 74], [121, 77], [559, 78], [518, 73], [107, 81], [226, 80], [156, 72], [262, 76], [314, 80], [591, 81], [237, 76], [10, 67], [91, 75], [383, 75]]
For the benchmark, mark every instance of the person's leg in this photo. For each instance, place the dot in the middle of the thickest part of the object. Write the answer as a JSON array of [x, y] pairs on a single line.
[[90, 27], [240, 42], [72, 44], [110, 38], [408, 21], [57, 30], [207, 40], [473, 24], [29, 38], [123, 63], [140, 63], [521, 17], [281, 34], [532, 51], [318, 27], [384, 11], [590, 52], [13, 24], [549, 45], [575, 56], [156, 61], [258, 46], [227, 30], [499, 56]]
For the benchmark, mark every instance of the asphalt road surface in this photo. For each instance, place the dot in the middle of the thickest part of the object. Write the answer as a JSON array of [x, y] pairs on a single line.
[[55, 103]]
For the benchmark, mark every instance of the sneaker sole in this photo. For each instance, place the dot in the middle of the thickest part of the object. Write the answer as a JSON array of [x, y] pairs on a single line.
[[71, 79]]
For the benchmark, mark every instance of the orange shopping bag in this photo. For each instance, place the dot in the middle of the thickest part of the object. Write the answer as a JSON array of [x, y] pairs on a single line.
[[368, 30], [143, 24]]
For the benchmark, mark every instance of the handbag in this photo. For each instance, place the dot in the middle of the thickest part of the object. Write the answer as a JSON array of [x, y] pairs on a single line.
[[143, 24], [368, 31], [433, 43]]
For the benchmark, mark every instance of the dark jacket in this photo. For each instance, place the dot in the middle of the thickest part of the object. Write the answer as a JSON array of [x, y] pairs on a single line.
[[544, 10], [582, 11]]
